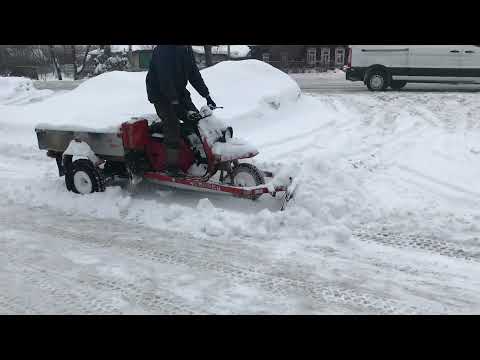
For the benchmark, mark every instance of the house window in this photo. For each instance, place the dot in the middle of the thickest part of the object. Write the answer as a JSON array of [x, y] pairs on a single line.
[[311, 56], [266, 57], [339, 56], [325, 56], [284, 57]]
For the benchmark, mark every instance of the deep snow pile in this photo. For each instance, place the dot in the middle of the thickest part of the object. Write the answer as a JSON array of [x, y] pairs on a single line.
[[19, 90], [104, 102]]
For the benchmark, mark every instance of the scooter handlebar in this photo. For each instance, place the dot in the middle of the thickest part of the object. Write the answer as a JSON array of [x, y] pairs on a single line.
[[211, 108]]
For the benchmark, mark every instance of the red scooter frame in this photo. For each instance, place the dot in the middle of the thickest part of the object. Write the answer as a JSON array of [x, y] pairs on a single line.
[[136, 136]]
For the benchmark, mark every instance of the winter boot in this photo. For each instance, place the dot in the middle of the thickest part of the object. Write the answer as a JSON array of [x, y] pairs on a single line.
[[172, 164]]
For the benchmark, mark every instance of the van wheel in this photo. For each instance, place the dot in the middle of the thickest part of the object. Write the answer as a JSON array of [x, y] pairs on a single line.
[[376, 80], [397, 84]]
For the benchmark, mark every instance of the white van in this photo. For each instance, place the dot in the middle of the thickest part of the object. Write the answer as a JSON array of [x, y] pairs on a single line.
[[383, 66]]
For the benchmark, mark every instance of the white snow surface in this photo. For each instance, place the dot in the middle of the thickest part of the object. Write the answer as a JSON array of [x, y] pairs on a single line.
[[20, 90], [384, 219], [234, 148], [81, 150]]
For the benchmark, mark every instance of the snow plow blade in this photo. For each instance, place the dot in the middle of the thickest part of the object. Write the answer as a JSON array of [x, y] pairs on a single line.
[[289, 193]]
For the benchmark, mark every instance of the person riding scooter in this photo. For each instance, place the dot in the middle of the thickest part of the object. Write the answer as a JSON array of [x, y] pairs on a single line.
[[171, 68]]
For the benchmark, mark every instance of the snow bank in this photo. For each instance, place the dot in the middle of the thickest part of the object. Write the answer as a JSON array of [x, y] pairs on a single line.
[[19, 90], [247, 87], [104, 102]]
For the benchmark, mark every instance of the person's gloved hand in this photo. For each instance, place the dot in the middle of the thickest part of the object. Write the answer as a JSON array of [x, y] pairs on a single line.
[[194, 116], [211, 104], [179, 111]]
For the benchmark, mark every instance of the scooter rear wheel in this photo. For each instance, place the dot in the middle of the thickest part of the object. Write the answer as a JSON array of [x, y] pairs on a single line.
[[84, 178]]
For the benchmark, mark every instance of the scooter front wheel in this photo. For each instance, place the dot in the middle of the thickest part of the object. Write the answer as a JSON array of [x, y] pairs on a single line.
[[248, 175]]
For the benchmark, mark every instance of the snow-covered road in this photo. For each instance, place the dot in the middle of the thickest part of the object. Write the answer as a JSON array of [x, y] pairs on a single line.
[[386, 221], [56, 263], [335, 83]]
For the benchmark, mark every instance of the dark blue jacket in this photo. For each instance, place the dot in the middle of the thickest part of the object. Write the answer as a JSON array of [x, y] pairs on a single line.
[[171, 68]]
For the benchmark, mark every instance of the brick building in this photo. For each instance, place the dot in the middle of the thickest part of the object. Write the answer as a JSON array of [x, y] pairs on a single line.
[[299, 58]]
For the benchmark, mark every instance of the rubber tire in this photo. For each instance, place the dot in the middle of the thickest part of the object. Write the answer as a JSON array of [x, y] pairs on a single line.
[[98, 182], [397, 84], [252, 170], [377, 72]]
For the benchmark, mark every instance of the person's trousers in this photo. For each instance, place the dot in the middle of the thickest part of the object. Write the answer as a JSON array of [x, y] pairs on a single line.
[[171, 131]]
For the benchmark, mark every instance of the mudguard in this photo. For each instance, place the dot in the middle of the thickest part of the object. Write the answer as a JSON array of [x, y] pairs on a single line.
[[81, 150]]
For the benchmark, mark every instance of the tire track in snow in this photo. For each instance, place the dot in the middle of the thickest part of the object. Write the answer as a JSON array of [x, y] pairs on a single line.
[[416, 241], [83, 296], [205, 260], [57, 292], [12, 305], [159, 304], [451, 187], [286, 286]]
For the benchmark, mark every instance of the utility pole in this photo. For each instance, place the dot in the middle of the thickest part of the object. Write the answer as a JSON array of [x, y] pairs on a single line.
[[130, 59], [208, 55]]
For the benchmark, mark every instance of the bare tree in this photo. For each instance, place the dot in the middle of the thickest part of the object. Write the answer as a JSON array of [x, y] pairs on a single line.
[[208, 55], [76, 72], [130, 55], [3, 60], [22, 55], [85, 56], [54, 59], [107, 50]]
